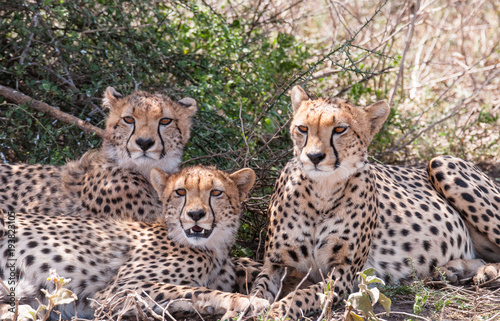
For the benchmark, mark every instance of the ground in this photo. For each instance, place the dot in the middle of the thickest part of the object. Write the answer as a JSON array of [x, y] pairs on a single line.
[[492, 169], [426, 301]]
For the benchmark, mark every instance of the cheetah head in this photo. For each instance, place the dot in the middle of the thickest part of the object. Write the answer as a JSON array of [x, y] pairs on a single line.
[[331, 137], [145, 130], [202, 205]]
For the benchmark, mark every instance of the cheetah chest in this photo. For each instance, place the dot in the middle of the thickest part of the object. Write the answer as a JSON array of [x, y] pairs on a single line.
[[321, 238], [318, 230]]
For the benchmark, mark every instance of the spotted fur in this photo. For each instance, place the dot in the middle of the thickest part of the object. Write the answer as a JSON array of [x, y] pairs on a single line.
[[333, 214], [161, 262]]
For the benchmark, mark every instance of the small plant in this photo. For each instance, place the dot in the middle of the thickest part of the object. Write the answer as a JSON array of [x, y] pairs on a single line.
[[367, 296], [420, 300], [59, 296], [441, 304]]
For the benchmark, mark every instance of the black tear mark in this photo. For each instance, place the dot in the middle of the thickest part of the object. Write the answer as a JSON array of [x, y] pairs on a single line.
[[128, 140], [337, 161]]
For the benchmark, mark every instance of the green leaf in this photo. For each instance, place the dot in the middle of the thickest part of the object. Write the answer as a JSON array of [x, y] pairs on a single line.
[[374, 294], [355, 317], [360, 301], [374, 279], [369, 271], [385, 302], [26, 312]]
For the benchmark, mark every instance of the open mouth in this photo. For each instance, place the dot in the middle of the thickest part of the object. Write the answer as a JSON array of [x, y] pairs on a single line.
[[197, 231]]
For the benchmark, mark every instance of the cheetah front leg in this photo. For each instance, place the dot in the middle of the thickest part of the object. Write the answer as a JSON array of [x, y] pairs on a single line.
[[304, 297], [175, 298], [301, 303], [246, 271], [269, 282], [300, 296]]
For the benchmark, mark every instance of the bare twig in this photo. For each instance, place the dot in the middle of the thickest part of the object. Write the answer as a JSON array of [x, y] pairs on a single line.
[[247, 148], [407, 46], [28, 45], [452, 113], [86, 32], [296, 289], [20, 98]]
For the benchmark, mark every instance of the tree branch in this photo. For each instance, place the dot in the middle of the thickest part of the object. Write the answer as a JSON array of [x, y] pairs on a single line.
[[20, 98]]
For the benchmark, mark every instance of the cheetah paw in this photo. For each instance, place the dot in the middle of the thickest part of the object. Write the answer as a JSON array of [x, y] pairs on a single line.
[[258, 305], [487, 273], [455, 271], [278, 311], [229, 315], [249, 305]]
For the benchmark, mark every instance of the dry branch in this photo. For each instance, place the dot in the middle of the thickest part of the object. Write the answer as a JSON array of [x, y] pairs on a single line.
[[20, 98]]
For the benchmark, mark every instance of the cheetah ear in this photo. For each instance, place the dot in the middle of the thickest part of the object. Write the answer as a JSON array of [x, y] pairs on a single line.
[[244, 180], [377, 114], [159, 180], [189, 104], [298, 95], [111, 97]]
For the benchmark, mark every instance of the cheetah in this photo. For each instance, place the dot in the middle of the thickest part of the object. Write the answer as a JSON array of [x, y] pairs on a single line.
[[186, 257], [143, 131], [333, 214]]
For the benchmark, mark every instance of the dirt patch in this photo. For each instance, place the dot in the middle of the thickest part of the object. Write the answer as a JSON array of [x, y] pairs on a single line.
[[492, 169], [439, 302]]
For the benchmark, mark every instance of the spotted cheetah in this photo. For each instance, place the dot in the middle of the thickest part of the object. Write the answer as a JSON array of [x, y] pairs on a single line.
[[143, 131], [182, 262], [333, 214]]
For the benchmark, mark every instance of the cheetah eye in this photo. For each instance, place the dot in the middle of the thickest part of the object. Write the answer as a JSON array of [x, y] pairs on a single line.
[[165, 121], [129, 120], [216, 192], [180, 192], [339, 130], [302, 129]]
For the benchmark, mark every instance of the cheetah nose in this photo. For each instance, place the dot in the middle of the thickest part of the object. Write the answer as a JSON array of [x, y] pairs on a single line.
[[316, 158], [196, 215], [145, 144]]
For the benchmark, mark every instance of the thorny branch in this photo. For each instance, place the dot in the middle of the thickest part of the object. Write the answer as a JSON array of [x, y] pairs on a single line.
[[20, 99]]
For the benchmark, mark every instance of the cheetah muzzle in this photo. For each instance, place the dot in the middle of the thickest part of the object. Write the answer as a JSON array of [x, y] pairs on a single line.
[[198, 232]]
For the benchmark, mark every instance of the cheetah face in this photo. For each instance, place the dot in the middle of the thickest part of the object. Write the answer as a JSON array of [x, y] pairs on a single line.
[[331, 137], [144, 131], [202, 205]]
